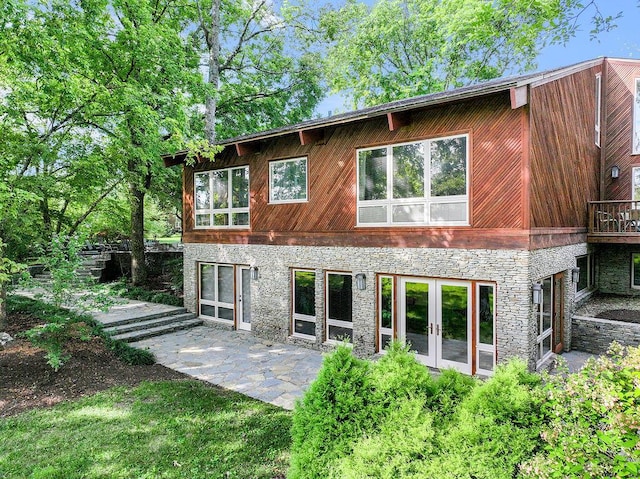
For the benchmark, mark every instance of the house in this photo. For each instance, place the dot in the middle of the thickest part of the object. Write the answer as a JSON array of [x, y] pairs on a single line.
[[456, 221]]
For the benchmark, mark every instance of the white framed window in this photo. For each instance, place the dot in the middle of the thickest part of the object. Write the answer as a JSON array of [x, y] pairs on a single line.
[[221, 198], [544, 312], [288, 181], [386, 311], [486, 330], [304, 304], [338, 307], [216, 299], [417, 183], [586, 281], [635, 270], [598, 112], [635, 183], [635, 148]]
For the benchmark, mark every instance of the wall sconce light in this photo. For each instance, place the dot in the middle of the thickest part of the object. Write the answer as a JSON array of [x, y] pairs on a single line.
[[575, 275], [536, 297], [361, 281], [615, 171], [254, 273]]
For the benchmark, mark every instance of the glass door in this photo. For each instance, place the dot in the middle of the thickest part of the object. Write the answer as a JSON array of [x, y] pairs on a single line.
[[453, 327], [417, 318], [216, 299], [243, 298], [544, 320]]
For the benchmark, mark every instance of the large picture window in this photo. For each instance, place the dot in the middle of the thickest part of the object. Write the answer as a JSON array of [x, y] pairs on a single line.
[[222, 198], [339, 307], [421, 183], [635, 150], [216, 292], [304, 304], [288, 181]]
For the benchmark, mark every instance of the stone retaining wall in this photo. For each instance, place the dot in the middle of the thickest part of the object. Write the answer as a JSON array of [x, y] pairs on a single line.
[[594, 335]]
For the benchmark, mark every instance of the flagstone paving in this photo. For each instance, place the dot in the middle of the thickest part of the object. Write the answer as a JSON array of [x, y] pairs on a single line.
[[237, 360]]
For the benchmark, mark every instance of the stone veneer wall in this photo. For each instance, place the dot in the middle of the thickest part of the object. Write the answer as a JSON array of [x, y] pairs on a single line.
[[594, 335], [512, 270], [271, 293], [549, 261], [614, 269]]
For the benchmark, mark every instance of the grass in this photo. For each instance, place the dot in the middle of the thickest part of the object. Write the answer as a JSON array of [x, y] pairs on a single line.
[[180, 429], [170, 239]]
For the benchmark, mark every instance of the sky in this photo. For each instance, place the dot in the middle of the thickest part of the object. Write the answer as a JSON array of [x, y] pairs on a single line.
[[621, 42]]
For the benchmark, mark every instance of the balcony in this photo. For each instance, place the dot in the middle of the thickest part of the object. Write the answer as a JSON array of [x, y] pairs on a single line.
[[614, 222]]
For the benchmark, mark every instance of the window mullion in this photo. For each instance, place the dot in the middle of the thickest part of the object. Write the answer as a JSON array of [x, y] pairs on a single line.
[[389, 183]]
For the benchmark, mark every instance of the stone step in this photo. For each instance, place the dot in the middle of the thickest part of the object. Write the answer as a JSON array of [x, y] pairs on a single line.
[[158, 331], [149, 323], [137, 318]]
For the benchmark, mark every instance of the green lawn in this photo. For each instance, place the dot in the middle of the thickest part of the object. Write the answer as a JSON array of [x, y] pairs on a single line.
[[170, 239], [157, 430]]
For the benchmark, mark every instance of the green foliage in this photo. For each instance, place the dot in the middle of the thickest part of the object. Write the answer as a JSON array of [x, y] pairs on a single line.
[[61, 325], [53, 336], [333, 413], [412, 426], [126, 290], [401, 48], [593, 420], [170, 430]]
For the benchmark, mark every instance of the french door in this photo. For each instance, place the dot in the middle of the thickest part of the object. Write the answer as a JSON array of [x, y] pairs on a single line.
[[434, 317], [225, 294], [447, 323]]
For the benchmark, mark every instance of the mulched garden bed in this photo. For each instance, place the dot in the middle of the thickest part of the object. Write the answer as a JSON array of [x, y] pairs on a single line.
[[626, 315], [27, 381]]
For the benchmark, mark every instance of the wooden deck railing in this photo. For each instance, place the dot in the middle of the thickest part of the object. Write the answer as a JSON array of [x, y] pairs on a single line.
[[614, 217]]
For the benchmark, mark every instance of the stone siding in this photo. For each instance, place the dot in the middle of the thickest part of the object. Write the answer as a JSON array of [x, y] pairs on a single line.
[[614, 269], [513, 271], [594, 335], [550, 261]]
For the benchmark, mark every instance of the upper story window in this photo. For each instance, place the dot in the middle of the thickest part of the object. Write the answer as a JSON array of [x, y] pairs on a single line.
[[288, 181], [222, 198], [598, 106], [420, 183], [636, 119]]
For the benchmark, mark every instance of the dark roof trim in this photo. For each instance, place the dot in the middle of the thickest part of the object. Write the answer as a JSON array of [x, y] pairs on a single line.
[[399, 106]]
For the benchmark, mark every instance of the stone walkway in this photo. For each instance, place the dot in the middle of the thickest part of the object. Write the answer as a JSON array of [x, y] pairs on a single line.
[[271, 372]]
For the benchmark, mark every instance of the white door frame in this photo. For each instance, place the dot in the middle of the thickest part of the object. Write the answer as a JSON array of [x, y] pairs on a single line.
[[242, 323], [434, 327], [444, 363], [430, 358]]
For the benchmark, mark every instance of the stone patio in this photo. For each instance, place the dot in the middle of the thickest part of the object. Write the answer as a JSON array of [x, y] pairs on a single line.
[[236, 360]]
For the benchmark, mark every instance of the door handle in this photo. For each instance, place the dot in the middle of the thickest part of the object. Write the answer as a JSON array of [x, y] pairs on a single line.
[[431, 327], [437, 330]]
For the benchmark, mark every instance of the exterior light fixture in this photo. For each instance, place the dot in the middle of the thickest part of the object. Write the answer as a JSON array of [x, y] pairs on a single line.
[[615, 171], [254, 273], [536, 298], [361, 281], [575, 275]]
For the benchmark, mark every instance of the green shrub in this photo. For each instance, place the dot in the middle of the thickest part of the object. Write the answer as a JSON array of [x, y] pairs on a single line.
[[405, 439], [332, 415], [451, 387], [496, 427], [592, 421]]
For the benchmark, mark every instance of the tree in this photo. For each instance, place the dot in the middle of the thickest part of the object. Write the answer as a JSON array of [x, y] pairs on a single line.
[[402, 48], [263, 70]]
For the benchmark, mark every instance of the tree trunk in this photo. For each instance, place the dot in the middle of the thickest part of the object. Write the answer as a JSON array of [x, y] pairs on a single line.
[[138, 265], [3, 307], [213, 43]]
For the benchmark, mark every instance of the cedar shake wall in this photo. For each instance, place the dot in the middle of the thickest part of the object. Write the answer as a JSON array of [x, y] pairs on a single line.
[[565, 161], [329, 217]]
